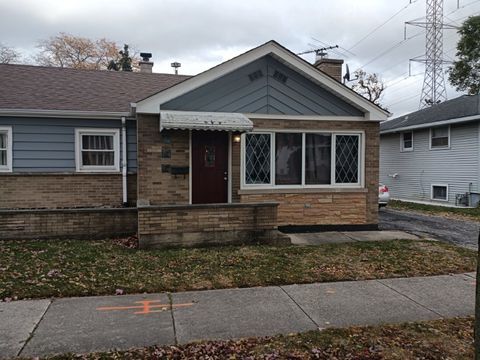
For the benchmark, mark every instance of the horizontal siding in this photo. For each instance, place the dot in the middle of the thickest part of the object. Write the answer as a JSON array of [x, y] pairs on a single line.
[[418, 169], [235, 92], [48, 145]]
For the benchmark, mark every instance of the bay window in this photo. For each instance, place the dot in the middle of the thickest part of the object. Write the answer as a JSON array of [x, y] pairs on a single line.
[[301, 159]]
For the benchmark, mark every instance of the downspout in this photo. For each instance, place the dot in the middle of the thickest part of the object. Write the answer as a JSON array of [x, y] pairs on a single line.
[[124, 161]]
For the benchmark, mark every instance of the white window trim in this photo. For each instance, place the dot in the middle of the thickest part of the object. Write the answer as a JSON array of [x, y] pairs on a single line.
[[332, 185], [402, 142], [439, 147], [438, 185], [97, 131], [9, 166]]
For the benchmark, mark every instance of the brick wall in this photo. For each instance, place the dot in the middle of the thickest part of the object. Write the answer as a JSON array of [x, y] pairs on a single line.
[[47, 190], [67, 224], [155, 186], [326, 206], [191, 225]]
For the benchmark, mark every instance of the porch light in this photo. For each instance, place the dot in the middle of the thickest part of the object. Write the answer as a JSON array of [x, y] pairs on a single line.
[[236, 138]]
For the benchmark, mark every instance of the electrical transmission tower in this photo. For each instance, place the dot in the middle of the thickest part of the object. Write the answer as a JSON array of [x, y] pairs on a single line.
[[433, 90]]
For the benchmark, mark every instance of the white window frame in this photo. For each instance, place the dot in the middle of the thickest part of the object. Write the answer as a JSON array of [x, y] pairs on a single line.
[[439, 147], [100, 132], [333, 184], [402, 142], [9, 167], [438, 185]]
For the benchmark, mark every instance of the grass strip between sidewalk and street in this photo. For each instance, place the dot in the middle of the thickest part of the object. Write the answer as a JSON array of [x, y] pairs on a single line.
[[38, 269], [457, 213], [437, 339]]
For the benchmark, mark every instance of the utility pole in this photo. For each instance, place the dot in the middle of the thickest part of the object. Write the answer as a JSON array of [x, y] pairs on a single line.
[[433, 90]]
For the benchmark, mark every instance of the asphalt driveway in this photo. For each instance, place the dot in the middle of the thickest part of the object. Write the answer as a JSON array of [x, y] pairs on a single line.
[[458, 232]]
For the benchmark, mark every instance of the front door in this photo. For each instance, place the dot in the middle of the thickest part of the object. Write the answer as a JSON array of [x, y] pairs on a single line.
[[209, 167]]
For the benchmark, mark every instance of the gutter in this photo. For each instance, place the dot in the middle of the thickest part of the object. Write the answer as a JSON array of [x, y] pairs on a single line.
[[124, 161], [432, 124], [77, 114]]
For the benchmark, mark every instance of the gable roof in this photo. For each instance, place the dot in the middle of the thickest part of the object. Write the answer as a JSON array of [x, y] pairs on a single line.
[[52, 88], [460, 109], [151, 104]]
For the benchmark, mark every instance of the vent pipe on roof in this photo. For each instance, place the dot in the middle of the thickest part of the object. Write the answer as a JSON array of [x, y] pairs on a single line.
[[146, 65]]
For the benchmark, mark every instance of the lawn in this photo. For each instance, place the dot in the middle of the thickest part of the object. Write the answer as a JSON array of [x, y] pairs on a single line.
[[36, 269], [460, 213], [439, 339]]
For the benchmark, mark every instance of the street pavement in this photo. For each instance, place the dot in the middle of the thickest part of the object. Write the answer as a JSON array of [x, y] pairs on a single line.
[[45, 327]]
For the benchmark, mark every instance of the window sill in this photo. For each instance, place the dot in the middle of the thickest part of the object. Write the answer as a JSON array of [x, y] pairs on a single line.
[[301, 190]]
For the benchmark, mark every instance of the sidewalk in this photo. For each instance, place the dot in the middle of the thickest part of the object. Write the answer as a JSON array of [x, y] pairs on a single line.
[[43, 327], [336, 237]]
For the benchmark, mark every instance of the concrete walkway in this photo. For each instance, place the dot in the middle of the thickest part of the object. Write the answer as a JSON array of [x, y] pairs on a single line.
[[337, 237], [43, 327]]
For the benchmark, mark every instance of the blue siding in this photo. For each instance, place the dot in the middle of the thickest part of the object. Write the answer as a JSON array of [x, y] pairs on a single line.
[[235, 92], [48, 145]]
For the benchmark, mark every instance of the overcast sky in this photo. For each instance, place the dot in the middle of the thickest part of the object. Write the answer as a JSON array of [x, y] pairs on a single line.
[[201, 34]]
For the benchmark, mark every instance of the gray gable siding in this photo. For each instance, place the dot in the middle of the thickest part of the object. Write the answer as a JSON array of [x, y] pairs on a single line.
[[235, 92], [418, 169], [48, 145]]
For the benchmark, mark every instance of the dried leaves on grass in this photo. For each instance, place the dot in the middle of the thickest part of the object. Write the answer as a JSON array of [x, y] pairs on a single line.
[[439, 339], [33, 269]]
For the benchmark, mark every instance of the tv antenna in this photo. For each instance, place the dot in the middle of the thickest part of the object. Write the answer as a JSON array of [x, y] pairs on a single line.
[[320, 53]]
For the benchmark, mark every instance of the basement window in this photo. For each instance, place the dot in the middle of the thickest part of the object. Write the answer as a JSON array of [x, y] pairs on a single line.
[[5, 149], [97, 150], [440, 192]]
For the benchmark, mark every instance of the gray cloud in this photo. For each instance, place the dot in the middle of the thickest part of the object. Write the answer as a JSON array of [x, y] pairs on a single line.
[[201, 34]]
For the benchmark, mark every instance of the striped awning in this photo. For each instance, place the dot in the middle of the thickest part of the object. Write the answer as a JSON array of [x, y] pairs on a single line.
[[190, 120]]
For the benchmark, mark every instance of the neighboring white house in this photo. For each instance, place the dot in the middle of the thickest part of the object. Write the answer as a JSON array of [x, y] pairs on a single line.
[[433, 155]]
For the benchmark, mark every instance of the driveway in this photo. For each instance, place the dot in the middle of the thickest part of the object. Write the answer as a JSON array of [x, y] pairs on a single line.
[[459, 232]]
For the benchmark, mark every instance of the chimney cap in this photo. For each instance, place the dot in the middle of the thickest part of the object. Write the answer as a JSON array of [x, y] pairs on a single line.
[[145, 56]]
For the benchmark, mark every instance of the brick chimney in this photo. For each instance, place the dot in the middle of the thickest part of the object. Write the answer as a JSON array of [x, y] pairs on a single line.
[[332, 67], [146, 65]]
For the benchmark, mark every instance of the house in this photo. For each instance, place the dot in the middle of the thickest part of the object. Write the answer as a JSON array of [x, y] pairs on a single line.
[[262, 141], [433, 155]]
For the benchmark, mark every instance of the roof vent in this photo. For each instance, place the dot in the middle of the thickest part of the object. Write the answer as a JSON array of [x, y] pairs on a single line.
[[255, 75], [277, 75]]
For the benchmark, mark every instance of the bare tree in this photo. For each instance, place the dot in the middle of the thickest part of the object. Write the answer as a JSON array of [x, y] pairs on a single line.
[[9, 55], [369, 86], [65, 50]]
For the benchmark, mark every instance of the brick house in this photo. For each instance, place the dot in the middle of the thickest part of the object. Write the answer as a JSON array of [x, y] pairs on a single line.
[[264, 140]]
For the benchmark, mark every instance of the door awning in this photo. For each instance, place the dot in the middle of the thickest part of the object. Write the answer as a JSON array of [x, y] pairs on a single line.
[[190, 120]]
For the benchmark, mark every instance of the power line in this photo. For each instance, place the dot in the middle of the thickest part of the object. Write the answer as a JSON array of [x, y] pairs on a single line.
[[381, 25]]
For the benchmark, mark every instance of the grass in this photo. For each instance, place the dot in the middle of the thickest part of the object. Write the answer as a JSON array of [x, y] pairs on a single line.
[[36, 269], [438, 339], [462, 213]]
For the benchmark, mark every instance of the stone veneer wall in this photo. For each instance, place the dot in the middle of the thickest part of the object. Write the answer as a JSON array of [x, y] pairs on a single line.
[[334, 206], [155, 186], [69, 190], [67, 223], [194, 225]]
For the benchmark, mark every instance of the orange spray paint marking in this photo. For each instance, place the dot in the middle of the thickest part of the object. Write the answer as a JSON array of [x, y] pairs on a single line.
[[146, 307]]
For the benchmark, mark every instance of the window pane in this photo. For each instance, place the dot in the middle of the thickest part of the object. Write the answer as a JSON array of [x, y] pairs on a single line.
[[440, 142], [346, 159], [318, 159], [407, 136], [407, 140], [440, 132], [3, 141], [257, 158], [98, 158], [288, 159], [3, 157], [440, 192], [97, 142]]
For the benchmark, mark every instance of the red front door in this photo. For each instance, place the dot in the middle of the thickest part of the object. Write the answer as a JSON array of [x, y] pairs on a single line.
[[209, 167]]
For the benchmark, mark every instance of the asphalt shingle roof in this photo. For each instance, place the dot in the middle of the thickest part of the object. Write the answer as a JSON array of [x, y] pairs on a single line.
[[52, 88], [463, 106]]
